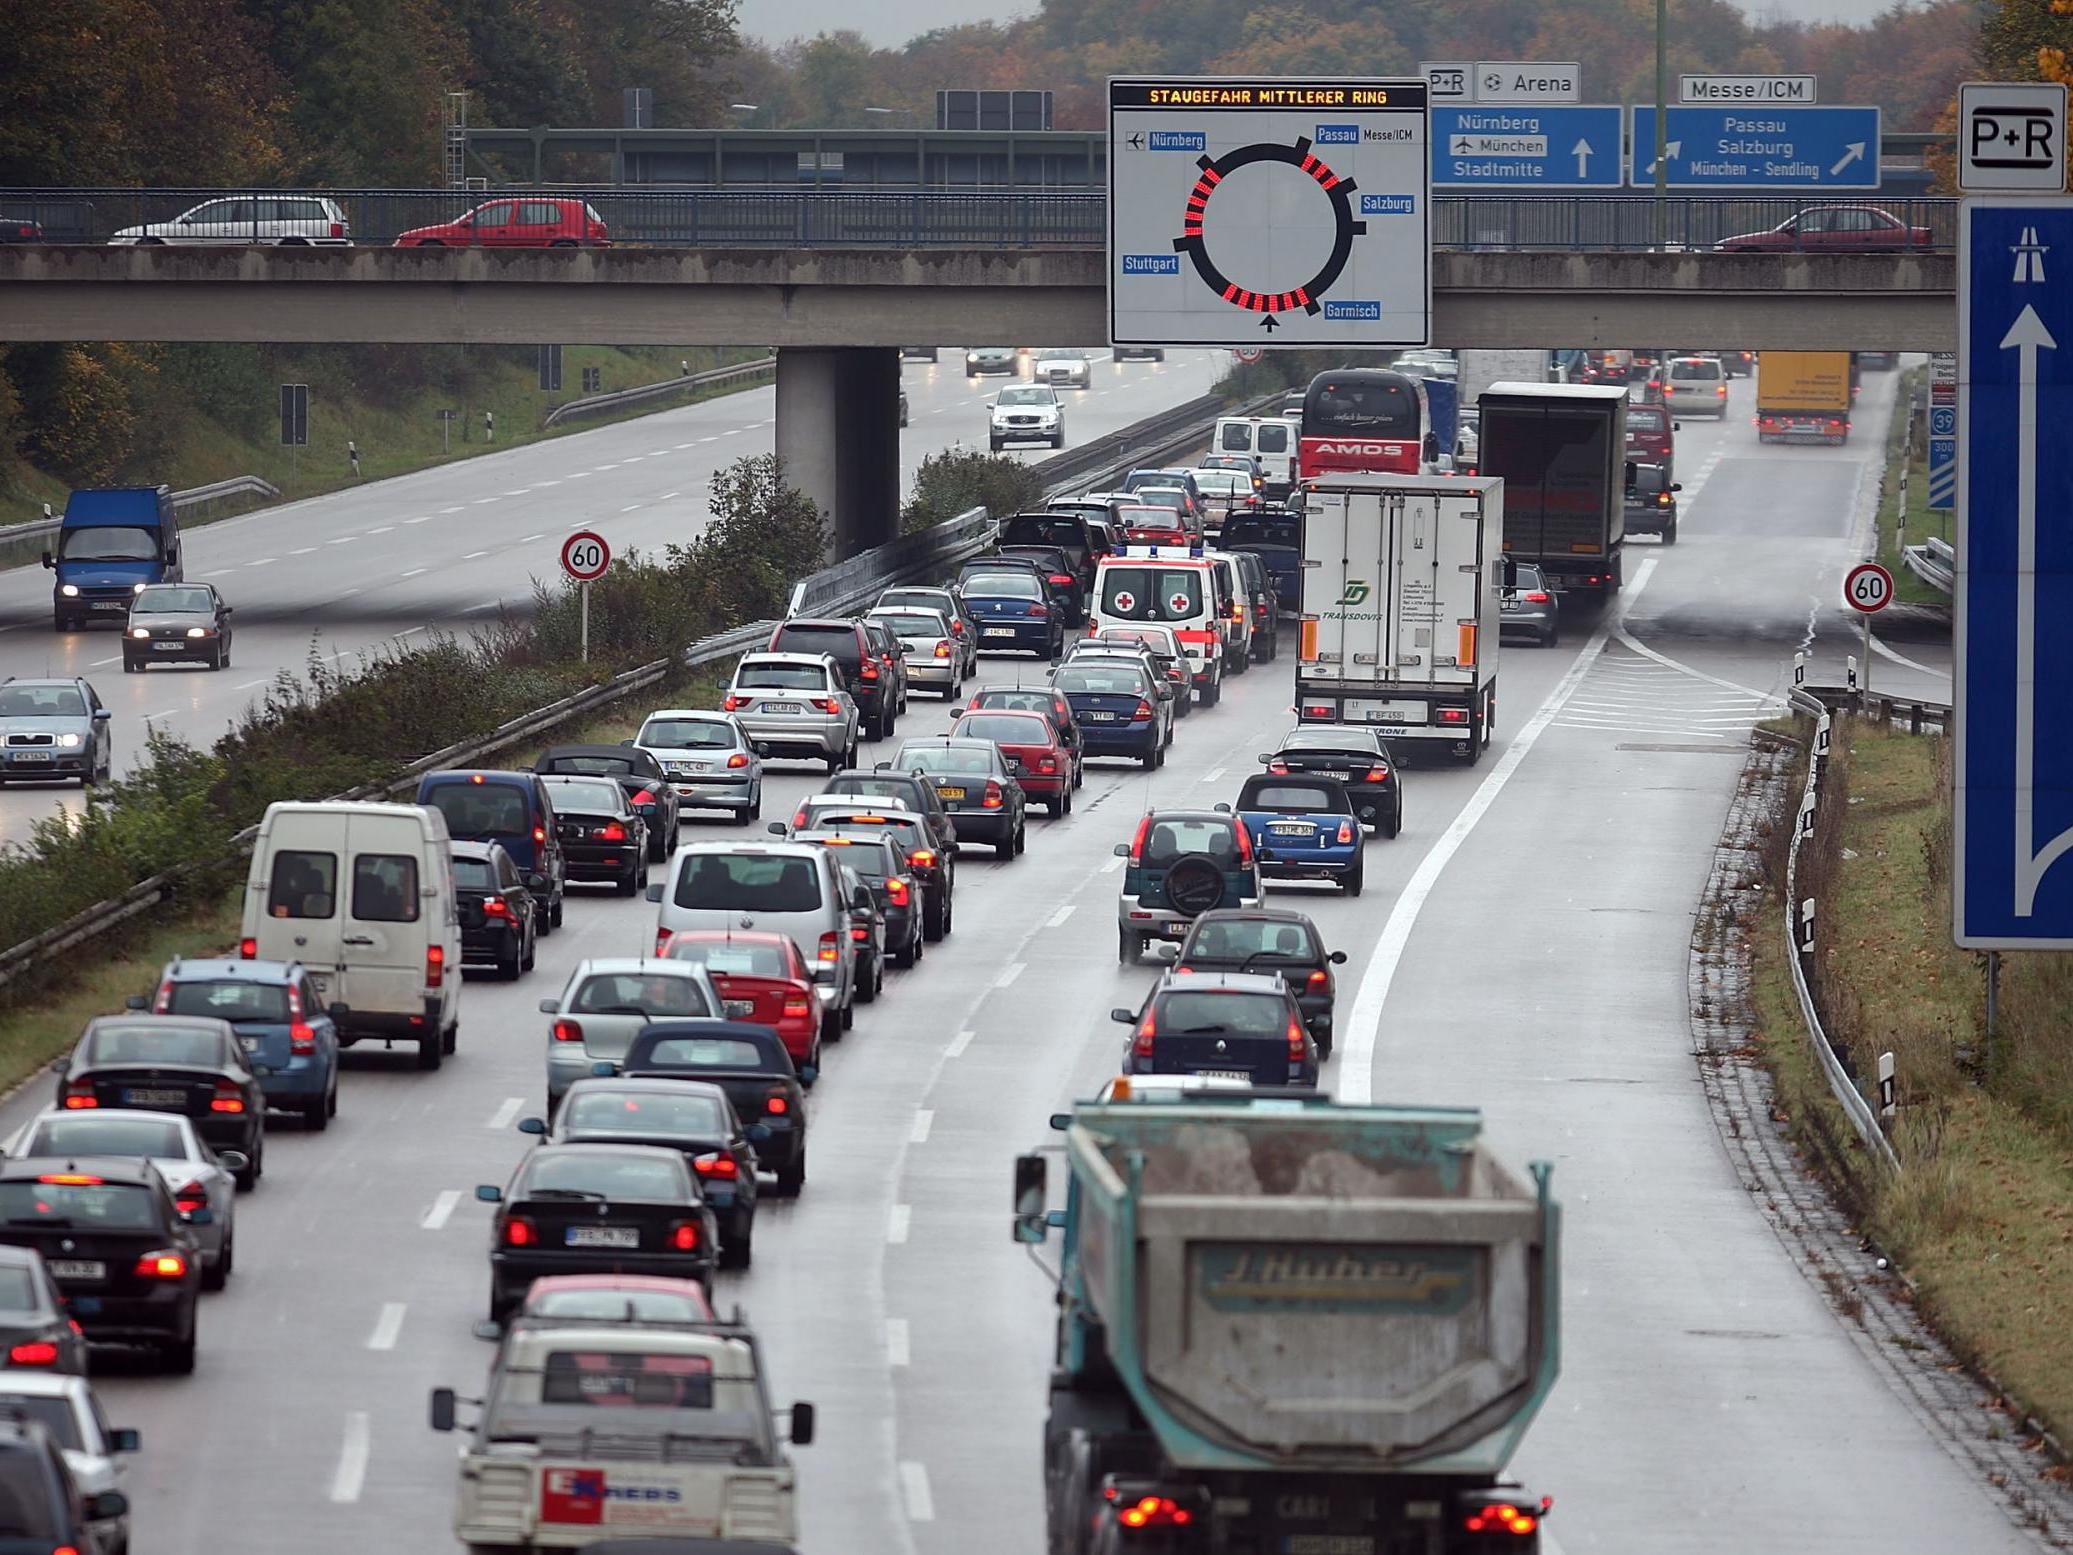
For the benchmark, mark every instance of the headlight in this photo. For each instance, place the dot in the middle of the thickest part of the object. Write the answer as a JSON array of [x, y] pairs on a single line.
[[69, 741], [136, 588], [140, 631], [69, 590], [196, 631]]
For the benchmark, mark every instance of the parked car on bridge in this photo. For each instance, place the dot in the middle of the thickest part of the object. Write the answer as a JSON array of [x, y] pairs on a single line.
[[289, 220], [1833, 228], [533, 222]]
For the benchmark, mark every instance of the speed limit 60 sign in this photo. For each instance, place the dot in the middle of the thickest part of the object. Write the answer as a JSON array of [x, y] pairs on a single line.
[[585, 556], [1869, 588]]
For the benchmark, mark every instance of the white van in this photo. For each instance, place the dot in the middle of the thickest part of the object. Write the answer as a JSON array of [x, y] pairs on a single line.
[[363, 896], [1234, 620], [1273, 440]]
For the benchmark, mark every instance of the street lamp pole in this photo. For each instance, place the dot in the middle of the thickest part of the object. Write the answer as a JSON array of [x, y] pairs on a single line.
[[1660, 211]]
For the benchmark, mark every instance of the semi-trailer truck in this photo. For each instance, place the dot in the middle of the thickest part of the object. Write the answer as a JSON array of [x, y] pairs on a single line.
[[1561, 451], [1804, 396], [1292, 1325]]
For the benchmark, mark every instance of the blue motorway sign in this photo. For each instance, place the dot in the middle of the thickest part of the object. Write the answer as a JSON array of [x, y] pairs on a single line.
[[1737, 148], [2012, 881], [1525, 146], [1943, 474]]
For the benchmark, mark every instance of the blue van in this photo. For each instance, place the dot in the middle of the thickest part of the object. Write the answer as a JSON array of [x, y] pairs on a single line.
[[111, 542], [512, 810]]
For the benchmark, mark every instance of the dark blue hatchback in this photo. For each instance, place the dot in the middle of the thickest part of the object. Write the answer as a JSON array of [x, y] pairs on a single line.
[[511, 809], [1012, 611], [1116, 708]]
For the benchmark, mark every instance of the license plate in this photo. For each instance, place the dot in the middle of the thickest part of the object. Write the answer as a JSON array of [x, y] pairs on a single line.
[[739, 1009], [251, 1044], [77, 1269], [1507, 606], [950, 793], [1226, 1074], [1328, 1544], [1281, 830], [153, 1096], [603, 1236], [110, 604], [999, 631], [167, 647], [779, 707], [28, 755], [1099, 717]]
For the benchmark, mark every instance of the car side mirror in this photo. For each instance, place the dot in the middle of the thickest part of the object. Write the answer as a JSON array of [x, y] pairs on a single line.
[[535, 881], [802, 1424], [59, 1064], [102, 715], [532, 1126], [49, 560], [1122, 850], [775, 828], [125, 1439], [883, 766], [1121, 1016], [654, 893], [1221, 808], [230, 610], [1337, 958], [1031, 1189], [136, 1001], [1677, 485], [442, 1409], [173, 554], [626, 742], [549, 1006], [808, 1073], [233, 1161], [489, 1193], [109, 1503]]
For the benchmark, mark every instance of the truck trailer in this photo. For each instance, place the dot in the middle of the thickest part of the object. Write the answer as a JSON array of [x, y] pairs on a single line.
[[1401, 586], [1288, 1326], [1804, 396], [1561, 451]]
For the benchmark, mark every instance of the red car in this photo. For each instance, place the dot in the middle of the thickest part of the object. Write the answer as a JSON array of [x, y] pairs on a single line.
[[1038, 699], [1835, 229], [761, 978], [1648, 436], [534, 221], [1035, 753]]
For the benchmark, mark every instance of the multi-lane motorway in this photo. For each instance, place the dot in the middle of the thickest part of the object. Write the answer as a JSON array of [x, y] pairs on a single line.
[[1522, 946]]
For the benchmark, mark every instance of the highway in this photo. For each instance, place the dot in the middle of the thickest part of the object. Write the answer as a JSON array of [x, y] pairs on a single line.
[[341, 573], [1711, 1401]]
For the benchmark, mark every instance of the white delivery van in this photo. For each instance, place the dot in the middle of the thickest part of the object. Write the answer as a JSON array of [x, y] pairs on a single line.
[[363, 896], [1270, 439]]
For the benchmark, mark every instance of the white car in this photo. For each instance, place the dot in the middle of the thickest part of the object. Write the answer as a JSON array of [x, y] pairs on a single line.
[[288, 220], [1067, 368], [195, 1172], [71, 1415], [1028, 414], [935, 662]]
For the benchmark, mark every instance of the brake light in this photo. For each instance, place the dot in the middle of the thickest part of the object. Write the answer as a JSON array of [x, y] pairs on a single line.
[[519, 1232], [831, 948], [70, 1179], [227, 1098], [859, 934], [539, 836], [1720, 391], [1155, 1512], [645, 796], [898, 892], [612, 832], [1319, 978], [1453, 715], [732, 703], [1147, 1029], [1501, 1518], [870, 669], [737, 761], [494, 908], [799, 819], [827, 704], [164, 1000], [722, 1166], [435, 966], [338, 229], [1244, 841], [943, 650], [1377, 775], [1536, 597], [79, 1095], [302, 1037], [38, 1352], [1061, 578], [568, 1031], [191, 1198], [1047, 764], [1137, 842], [661, 941], [166, 1264], [1142, 711], [922, 858], [1298, 1041], [1040, 612], [248, 950], [1345, 831], [777, 1104], [797, 1007], [684, 1237], [992, 800], [1278, 767]]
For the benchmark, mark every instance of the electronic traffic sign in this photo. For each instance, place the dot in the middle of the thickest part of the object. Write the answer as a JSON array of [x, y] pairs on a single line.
[[1268, 212]]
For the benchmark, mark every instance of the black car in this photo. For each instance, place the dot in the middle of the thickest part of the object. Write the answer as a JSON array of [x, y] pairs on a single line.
[[500, 922], [887, 781], [931, 867], [512, 810], [1652, 503], [648, 788], [972, 779], [751, 1065], [882, 868], [20, 229], [127, 1264], [694, 1119], [892, 662], [862, 675], [1357, 757], [598, 1209], [1269, 940], [601, 836], [1236, 1025], [34, 1326], [867, 934], [189, 1064], [46, 1509], [1261, 598], [176, 623], [1068, 531], [1056, 567]]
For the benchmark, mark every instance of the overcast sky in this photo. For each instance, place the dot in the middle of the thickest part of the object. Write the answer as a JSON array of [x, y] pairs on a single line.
[[889, 23]]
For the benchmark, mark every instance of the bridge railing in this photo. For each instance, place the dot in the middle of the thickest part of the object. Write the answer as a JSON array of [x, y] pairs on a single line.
[[661, 217]]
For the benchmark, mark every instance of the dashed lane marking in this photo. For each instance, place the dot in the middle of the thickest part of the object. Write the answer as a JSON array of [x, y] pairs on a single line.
[[387, 1327], [442, 1209], [352, 1458]]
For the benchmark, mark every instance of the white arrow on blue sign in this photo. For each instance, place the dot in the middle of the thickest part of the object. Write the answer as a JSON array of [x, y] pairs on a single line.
[[1525, 146], [1943, 474], [1788, 147], [2012, 885]]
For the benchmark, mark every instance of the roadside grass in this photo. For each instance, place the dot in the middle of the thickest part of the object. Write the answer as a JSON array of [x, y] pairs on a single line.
[[1919, 522], [1981, 1216]]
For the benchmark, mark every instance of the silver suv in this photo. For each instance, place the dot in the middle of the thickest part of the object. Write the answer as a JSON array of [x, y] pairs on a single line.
[[790, 888], [795, 704], [288, 220], [53, 729]]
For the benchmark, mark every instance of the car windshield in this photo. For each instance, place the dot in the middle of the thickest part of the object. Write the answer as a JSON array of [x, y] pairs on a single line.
[[689, 733], [641, 1112], [622, 1380], [1263, 531], [781, 677], [1223, 480], [840, 641], [155, 1042], [108, 543], [41, 702], [643, 1306], [474, 874], [19, 1293], [870, 857], [480, 809], [1005, 728], [653, 994], [180, 599], [1043, 531], [913, 625], [1159, 639], [705, 1053], [740, 957], [604, 1174], [1245, 1014], [927, 599], [1170, 497], [1234, 939], [1033, 701], [1004, 585], [1172, 836], [601, 765], [1032, 395], [107, 1133], [1645, 418], [230, 999], [1300, 798], [55, 1415], [587, 794], [961, 760], [1151, 593], [90, 1205], [1338, 741], [1094, 678], [1694, 370], [748, 882]]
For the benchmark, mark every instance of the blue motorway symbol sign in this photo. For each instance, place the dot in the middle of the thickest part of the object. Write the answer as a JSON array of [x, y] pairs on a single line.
[[1943, 421], [1789, 147], [1525, 146], [2012, 882], [1943, 474]]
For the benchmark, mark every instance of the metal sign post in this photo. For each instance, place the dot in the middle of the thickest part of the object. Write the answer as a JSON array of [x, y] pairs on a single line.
[[584, 557]]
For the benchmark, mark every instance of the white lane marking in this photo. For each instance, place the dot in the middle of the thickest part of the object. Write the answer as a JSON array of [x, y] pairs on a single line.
[[166, 714], [1057, 919], [529, 539], [655, 453], [631, 507], [1114, 864], [213, 572], [577, 476], [506, 1113], [608, 467], [1214, 775], [352, 1458], [1357, 1076], [682, 446], [248, 685], [489, 604], [897, 1222], [264, 561], [302, 550], [413, 572], [410, 631], [342, 540], [958, 1044], [897, 1349], [545, 484], [98, 663], [914, 1490], [387, 1327], [425, 519], [518, 493], [450, 510], [713, 439], [473, 555], [924, 1120], [1900, 658], [667, 495], [480, 501], [381, 529], [442, 1209], [1009, 973], [1628, 640]]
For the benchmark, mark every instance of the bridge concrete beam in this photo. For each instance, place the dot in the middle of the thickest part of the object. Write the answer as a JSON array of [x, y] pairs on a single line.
[[838, 438], [885, 297]]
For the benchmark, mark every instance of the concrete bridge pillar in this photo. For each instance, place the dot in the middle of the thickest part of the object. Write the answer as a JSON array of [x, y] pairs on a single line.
[[838, 435]]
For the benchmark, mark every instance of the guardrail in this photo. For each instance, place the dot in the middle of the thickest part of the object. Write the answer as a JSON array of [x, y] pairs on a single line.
[[782, 217], [193, 497], [619, 399], [1934, 562]]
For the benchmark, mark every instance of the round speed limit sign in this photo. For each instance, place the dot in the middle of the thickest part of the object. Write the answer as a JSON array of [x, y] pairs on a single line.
[[1869, 588], [585, 556], [1247, 354]]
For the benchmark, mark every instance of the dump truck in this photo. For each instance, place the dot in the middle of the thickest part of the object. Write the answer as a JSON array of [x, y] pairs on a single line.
[[1291, 1325], [1804, 396], [1561, 451]]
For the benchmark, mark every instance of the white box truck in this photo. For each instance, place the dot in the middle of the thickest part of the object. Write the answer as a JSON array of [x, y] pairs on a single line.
[[1401, 579]]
